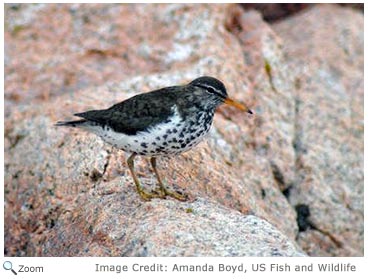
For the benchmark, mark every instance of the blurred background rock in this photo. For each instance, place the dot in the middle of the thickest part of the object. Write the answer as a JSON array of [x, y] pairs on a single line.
[[275, 11]]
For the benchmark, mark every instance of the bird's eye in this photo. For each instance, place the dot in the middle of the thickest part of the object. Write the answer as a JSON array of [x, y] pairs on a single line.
[[211, 90]]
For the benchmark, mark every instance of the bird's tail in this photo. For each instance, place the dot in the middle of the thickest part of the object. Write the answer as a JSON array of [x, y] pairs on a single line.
[[75, 123]]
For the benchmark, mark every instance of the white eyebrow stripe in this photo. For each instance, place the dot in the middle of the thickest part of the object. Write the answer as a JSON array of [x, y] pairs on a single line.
[[206, 86]]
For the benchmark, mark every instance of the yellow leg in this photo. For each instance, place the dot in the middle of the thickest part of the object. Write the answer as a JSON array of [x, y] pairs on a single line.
[[144, 195], [172, 194]]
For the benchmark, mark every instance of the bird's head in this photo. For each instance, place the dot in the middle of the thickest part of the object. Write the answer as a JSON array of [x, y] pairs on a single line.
[[216, 92]]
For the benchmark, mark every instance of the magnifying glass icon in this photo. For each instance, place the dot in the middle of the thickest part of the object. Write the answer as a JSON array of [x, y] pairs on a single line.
[[9, 266]]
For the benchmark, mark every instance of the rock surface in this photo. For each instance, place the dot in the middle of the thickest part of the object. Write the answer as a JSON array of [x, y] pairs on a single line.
[[329, 143], [162, 228], [69, 194]]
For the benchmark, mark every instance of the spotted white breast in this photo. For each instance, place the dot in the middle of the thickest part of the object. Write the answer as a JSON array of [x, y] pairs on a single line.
[[175, 135]]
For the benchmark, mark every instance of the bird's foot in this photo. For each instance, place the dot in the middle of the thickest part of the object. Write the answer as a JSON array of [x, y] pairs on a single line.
[[178, 195], [162, 194], [153, 195]]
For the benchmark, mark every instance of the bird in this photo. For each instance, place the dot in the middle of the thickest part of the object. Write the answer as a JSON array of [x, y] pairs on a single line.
[[163, 122]]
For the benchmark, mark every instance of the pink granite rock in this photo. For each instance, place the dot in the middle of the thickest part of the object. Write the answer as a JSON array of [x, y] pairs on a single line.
[[325, 54]]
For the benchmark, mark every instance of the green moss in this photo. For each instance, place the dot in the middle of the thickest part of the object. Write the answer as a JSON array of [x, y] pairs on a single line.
[[268, 70], [268, 67], [17, 29], [189, 210]]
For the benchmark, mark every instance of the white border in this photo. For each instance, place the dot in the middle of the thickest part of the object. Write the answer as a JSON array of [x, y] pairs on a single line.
[[79, 267]]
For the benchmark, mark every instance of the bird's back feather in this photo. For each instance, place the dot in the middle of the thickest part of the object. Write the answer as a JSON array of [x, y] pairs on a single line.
[[136, 114]]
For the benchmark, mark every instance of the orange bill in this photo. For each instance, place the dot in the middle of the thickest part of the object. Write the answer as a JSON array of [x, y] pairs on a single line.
[[238, 105]]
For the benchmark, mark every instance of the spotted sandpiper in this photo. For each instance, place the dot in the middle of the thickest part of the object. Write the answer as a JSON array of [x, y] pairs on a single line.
[[166, 121]]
